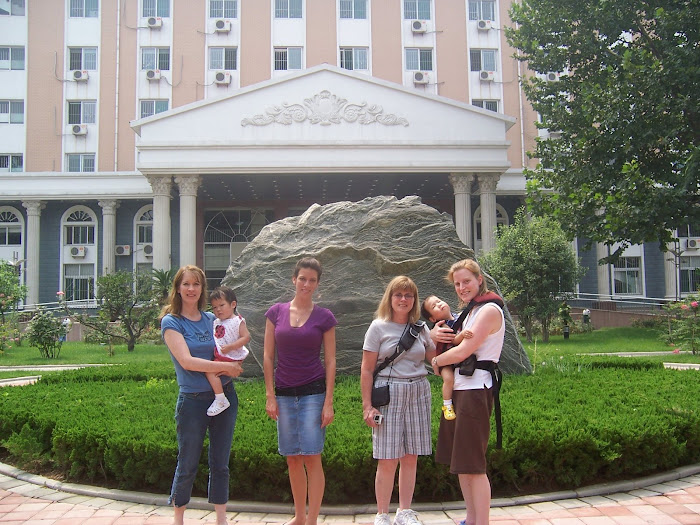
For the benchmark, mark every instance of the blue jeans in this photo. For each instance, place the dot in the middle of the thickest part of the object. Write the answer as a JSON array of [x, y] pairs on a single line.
[[192, 425]]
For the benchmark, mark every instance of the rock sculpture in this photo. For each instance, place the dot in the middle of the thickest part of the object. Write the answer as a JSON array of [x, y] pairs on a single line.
[[362, 246]]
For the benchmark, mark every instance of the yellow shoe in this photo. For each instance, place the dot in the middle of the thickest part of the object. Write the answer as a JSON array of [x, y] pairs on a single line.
[[448, 412]]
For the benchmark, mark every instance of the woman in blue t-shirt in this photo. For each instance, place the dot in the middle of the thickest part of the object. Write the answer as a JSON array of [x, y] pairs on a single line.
[[188, 332]]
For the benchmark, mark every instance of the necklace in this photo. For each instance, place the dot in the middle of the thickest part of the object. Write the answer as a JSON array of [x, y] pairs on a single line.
[[301, 316]]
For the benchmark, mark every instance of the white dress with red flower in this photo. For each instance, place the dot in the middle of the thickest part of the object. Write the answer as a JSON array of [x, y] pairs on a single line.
[[226, 332]]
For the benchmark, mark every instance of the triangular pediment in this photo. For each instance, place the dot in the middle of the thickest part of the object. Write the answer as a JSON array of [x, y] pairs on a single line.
[[319, 118]]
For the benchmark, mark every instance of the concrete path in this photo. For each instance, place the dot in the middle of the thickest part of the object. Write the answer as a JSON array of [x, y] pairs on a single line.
[[671, 498]]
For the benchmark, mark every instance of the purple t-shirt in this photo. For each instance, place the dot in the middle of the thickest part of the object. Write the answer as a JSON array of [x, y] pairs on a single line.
[[299, 349]]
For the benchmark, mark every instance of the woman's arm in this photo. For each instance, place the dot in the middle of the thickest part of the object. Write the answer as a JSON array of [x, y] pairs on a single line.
[[243, 339], [369, 363], [269, 369], [441, 333], [178, 347], [329, 361], [488, 322]]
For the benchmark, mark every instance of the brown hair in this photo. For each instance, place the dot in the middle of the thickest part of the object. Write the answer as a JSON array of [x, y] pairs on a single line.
[[400, 283], [174, 305], [310, 263], [424, 310], [225, 293], [473, 267]]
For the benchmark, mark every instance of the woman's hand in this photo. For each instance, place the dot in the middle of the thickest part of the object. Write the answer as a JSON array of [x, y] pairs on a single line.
[[327, 415], [232, 369], [271, 408], [368, 415], [441, 333]]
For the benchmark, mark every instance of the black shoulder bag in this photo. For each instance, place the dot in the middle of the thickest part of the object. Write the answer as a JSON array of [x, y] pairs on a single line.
[[380, 394]]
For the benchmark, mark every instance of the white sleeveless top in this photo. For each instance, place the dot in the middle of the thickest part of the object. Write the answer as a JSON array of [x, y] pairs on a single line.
[[490, 350]]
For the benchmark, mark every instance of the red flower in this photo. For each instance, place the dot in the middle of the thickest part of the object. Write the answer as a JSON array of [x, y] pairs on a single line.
[[684, 307], [694, 304]]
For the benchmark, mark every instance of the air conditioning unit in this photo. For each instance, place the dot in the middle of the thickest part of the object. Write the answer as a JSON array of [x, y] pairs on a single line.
[[153, 75], [154, 22], [148, 250], [222, 78], [692, 244], [419, 77], [79, 129], [80, 76], [483, 25], [122, 249], [419, 26], [552, 77], [78, 251], [222, 26], [486, 76]]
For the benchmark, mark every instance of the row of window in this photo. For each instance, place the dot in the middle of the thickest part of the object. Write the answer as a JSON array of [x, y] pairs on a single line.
[[354, 9], [76, 162]]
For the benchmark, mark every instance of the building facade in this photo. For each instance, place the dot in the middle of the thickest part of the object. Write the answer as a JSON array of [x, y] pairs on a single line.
[[138, 134]]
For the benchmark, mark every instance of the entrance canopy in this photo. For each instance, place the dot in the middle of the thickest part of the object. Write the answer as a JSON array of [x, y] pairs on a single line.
[[323, 120]]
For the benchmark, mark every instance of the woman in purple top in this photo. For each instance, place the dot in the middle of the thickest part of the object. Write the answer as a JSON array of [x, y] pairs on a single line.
[[300, 397]]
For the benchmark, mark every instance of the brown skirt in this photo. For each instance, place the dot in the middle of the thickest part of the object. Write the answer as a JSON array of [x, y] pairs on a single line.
[[462, 442]]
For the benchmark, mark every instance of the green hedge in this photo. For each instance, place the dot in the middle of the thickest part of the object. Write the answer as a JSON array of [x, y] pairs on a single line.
[[573, 422]]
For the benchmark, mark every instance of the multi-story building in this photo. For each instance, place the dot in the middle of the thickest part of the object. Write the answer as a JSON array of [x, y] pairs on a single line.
[[154, 133]]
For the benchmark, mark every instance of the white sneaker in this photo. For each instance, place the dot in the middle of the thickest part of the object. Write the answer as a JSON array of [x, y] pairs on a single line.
[[218, 406], [406, 517], [382, 519]]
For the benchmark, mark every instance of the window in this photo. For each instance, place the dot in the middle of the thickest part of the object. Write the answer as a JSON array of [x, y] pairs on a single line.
[[223, 58], [482, 59], [627, 275], [288, 8], [152, 107], [287, 58], [77, 233], [84, 8], [12, 58], [79, 281], [491, 105], [144, 228], [159, 8], [223, 8], [690, 274], [416, 9], [11, 162], [12, 111], [82, 58], [482, 10], [689, 230], [419, 59], [10, 228], [82, 112], [353, 57], [356, 9], [81, 163], [155, 58], [12, 7]]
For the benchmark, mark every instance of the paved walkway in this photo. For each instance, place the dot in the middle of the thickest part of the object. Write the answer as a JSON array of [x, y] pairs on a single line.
[[670, 498]]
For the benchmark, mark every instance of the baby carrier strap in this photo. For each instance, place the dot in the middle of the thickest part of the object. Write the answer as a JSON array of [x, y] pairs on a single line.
[[497, 379]]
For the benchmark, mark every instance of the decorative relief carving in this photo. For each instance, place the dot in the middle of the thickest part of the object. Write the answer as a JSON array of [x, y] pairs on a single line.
[[109, 207], [325, 108], [160, 185], [461, 182], [188, 185]]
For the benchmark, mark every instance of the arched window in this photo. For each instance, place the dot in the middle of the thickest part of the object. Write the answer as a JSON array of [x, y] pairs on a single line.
[[501, 220], [143, 239], [79, 253], [10, 227]]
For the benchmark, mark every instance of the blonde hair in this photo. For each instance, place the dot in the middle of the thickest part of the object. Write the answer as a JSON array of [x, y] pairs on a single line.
[[174, 305], [400, 283], [472, 266]]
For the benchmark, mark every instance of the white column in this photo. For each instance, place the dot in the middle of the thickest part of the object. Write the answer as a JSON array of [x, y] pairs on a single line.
[[33, 243], [603, 272], [487, 188], [109, 234], [188, 218], [462, 185], [671, 277], [161, 221]]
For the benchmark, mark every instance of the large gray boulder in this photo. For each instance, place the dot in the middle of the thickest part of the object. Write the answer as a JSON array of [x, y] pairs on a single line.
[[361, 246]]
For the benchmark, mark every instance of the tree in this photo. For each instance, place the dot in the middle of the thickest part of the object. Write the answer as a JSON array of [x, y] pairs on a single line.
[[11, 290], [624, 167], [535, 266], [45, 331], [127, 307]]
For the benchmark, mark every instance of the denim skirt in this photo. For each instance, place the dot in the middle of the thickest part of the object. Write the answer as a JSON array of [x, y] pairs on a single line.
[[299, 431]]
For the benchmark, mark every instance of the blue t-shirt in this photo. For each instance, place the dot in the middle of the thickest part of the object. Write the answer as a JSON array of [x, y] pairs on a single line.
[[199, 337]]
